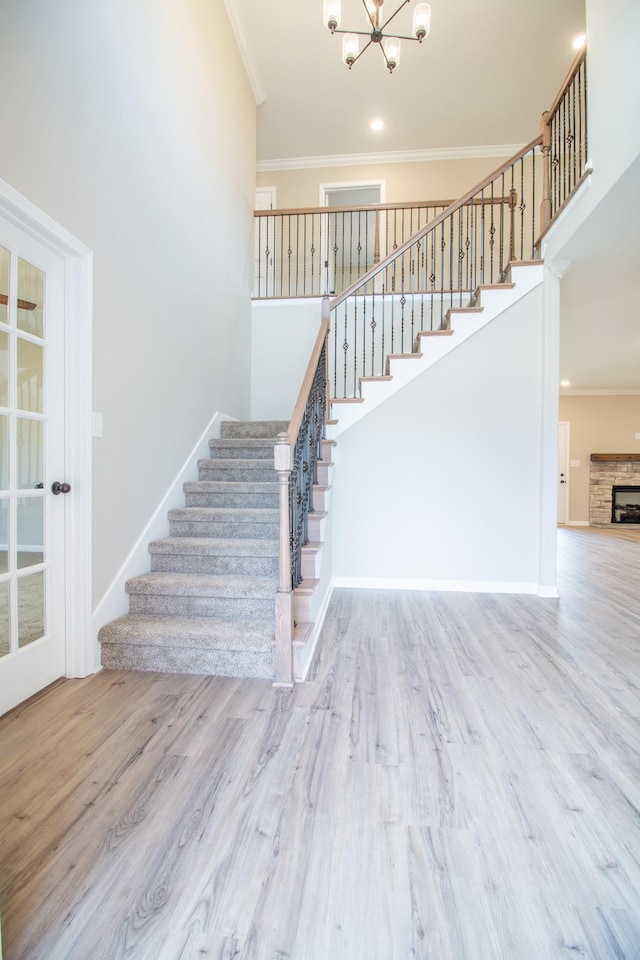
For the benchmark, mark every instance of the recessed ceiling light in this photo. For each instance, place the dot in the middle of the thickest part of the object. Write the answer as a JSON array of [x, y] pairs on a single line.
[[579, 41], [565, 383], [377, 125]]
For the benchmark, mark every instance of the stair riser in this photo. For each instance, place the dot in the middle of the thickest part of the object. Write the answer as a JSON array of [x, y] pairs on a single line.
[[242, 474], [240, 500], [227, 608], [223, 663], [196, 563], [221, 528], [324, 473]]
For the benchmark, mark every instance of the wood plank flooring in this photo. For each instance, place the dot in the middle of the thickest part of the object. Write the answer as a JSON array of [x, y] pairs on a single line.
[[459, 780]]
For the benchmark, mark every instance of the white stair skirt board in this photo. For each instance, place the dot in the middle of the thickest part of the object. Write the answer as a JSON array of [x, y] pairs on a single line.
[[524, 278], [446, 586], [303, 652], [115, 601]]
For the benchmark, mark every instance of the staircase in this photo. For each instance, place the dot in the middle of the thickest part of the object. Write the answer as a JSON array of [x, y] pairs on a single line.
[[430, 346], [207, 605]]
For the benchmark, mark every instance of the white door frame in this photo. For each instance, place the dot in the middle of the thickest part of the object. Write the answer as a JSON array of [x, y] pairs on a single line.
[[564, 428], [78, 298], [326, 188]]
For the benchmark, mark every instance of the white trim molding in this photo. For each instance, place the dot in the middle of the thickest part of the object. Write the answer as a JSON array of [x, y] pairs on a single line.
[[398, 156], [577, 392], [246, 52], [78, 294], [445, 586]]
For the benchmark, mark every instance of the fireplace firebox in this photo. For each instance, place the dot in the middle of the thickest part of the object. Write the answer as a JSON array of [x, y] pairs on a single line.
[[625, 504]]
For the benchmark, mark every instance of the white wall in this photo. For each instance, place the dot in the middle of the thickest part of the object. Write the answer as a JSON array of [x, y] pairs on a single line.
[[443, 486], [133, 126], [283, 333]]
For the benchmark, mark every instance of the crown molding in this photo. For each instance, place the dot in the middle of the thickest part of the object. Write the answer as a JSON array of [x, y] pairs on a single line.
[[245, 52], [398, 156], [568, 392]]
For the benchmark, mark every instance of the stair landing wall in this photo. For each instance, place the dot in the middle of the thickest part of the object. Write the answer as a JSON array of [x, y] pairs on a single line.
[[446, 485]]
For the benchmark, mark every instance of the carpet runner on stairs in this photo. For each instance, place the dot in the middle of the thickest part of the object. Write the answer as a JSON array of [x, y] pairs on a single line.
[[207, 605]]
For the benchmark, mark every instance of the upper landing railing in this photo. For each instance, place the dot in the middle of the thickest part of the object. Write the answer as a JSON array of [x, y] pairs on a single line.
[[324, 251], [565, 142], [320, 251]]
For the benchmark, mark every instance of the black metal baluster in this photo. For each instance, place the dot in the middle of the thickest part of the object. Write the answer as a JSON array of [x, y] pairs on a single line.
[[432, 276], [460, 256], [372, 324], [522, 208], [313, 257], [382, 331], [492, 229], [483, 223], [443, 246], [355, 345], [345, 348], [533, 203], [393, 304], [574, 127], [580, 166], [564, 152]]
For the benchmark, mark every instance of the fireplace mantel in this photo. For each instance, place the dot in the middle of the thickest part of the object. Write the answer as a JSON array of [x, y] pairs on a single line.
[[616, 457]]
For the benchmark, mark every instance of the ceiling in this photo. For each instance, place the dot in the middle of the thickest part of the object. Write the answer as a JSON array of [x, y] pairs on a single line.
[[481, 79]]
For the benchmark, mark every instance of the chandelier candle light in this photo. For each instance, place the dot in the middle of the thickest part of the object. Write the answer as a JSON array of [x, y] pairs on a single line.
[[377, 30]]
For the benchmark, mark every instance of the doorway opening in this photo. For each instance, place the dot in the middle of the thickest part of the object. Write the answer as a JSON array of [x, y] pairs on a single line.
[[354, 233]]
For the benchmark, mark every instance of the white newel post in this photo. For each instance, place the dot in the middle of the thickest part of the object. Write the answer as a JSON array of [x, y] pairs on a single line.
[[283, 650]]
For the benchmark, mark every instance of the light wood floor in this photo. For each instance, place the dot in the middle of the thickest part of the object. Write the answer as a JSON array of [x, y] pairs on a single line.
[[460, 780]]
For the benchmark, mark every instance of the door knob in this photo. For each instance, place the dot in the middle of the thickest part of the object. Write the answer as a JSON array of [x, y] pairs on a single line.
[[58, 487]]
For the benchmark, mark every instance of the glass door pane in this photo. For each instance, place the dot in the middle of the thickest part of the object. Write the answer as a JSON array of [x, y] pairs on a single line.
[[23, 436]]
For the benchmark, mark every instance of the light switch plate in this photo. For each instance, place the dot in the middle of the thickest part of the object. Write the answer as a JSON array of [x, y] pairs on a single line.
[[96, 425]]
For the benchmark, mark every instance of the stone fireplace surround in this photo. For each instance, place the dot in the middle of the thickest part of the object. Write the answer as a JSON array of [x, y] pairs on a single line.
[[607, 470]]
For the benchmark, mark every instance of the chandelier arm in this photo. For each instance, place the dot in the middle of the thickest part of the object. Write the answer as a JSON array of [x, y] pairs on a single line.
[[387, 22], [393, 36], [371, 19], [366, 47], [363, 33]]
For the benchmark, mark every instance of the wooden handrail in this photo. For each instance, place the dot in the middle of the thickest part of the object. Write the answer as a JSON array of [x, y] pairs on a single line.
[[579, 59], [298, 410], [433, 224], [364, 208], [284, 463]]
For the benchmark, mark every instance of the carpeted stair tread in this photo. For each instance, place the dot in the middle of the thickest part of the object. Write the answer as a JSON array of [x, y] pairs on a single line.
[[195, 632], [242, 469], [253, 428], [230, 486], [202, 585], [217, 546], [229, 514]]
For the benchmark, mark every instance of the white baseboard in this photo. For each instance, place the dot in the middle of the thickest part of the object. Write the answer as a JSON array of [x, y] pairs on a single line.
[[115, 602], [303, 658], [576, 523], [446, 586]]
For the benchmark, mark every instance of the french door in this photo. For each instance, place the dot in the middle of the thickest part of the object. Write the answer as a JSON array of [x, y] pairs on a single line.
[[33, 489]]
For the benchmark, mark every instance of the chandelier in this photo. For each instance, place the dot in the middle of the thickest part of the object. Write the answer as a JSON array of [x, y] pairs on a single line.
[[376, 30]]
